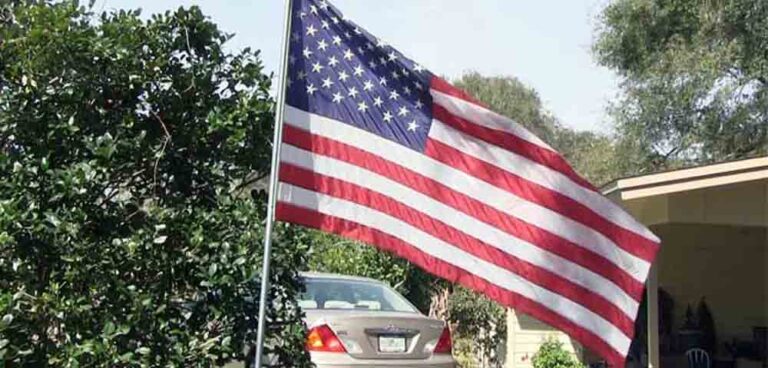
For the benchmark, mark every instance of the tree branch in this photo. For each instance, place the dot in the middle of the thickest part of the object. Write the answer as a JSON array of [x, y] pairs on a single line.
[[250, 181], [162, 150]]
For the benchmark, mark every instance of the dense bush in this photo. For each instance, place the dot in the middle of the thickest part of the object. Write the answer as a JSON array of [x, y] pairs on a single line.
[[126, 238], [551, 354]]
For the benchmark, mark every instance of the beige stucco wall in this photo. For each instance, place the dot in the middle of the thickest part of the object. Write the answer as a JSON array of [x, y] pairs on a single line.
[[727, 265], [524, 336]]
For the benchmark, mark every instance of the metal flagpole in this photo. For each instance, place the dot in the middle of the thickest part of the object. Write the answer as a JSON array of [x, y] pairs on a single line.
[[273, 182]]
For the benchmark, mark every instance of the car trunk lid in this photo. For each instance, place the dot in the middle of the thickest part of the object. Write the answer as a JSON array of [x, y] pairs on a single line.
[[381, 335]]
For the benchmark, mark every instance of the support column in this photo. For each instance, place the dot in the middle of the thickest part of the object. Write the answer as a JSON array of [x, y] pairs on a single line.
[[652, 287]]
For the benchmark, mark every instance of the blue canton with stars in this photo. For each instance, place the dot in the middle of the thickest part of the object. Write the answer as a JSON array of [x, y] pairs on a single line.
[[340, 71]]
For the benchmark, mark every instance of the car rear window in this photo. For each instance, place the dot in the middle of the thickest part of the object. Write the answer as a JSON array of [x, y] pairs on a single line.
[[353, 295]]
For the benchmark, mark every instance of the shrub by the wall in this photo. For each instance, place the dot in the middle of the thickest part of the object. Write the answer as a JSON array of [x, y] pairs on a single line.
[[552, 354]]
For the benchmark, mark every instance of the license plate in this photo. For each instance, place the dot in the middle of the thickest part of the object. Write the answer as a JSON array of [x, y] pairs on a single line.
[[391, 344]]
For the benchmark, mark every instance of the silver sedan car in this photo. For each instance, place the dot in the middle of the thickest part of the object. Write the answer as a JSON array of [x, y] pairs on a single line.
[[359, 322]]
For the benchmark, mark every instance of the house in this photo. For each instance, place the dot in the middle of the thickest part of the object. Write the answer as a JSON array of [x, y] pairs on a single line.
[[713, 224]]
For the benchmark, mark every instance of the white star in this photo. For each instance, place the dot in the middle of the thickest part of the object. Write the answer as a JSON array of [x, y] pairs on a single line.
[[369, 46], [337, 97], [291, 60], [419, 105], [382, 60], [395, 75], [311, 89], [322, 45], [381, 43], [313, 9], [336, 40], [332, 61], [412, 126], [348, 54], [419, 86], [383, 81], [407, 90], [323, 4], [295, 37], [392, 56], [373, 64], [311, 30], [324, 24], [335, 20], [358, 71], [343, 76], [393, 95], [302, 74], [347, 35], [357, 31], [327, 82], [289, 82], [307, 53], [405, 72], [367, 86], [362, 106], [317, 67], [387, 116], [302, 15], [353, 92], [418, 68], [377, 101], [403, 111]]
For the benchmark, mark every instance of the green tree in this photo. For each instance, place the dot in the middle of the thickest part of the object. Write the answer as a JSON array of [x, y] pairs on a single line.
[[480, 321], [695, 78], [126, 238]]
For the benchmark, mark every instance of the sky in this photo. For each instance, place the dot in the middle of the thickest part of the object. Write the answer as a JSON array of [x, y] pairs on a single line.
[[544, 43]]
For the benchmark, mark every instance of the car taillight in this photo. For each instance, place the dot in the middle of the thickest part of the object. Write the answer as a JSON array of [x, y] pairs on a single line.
[[322, 338], [444, 345]]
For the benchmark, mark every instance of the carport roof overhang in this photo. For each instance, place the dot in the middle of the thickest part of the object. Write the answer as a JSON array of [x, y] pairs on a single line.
[[683, 180]]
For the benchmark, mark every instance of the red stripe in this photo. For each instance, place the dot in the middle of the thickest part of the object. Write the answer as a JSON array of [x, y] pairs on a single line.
[[441, 85], [438, 191], [631, 242], [511, 142], [340, 189], [310, 218]]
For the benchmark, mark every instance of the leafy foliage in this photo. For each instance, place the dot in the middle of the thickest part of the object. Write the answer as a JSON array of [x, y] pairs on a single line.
[[695, 74], [551, 354], [126, 238]]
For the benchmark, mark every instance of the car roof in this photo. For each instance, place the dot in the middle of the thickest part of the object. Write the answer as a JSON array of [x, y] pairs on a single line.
[[336, 276]]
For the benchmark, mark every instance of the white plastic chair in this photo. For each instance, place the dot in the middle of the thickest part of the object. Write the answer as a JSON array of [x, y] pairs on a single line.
[[698, 358]]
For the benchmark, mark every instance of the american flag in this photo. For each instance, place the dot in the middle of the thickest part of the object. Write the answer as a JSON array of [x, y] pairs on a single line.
[[378, 149]]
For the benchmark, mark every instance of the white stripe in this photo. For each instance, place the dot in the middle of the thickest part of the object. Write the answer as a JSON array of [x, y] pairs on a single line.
[[470, 186], [462, 222], [539, 174], [517, 164], [487, 118], [448, 253]]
